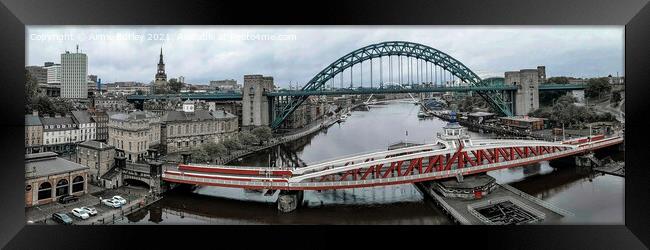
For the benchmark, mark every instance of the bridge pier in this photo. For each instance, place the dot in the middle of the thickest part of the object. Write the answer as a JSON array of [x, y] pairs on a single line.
[[289, 200]]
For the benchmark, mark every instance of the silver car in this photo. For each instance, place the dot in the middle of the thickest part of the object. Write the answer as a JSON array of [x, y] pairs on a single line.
[[111, 203], [90, 210]]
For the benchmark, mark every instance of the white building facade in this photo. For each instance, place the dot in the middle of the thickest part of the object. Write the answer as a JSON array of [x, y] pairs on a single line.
[[134, 133], [59, 133], [74, 72], [54, 74], [86, 125]]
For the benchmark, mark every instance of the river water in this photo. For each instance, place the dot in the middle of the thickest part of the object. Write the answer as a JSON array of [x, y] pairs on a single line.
[[593, 198]]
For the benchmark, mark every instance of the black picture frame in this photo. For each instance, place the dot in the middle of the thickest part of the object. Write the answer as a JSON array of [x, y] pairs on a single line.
[[16, 14]]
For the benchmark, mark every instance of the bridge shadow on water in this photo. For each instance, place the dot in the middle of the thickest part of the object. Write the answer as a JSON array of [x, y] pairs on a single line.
[[185, 206]]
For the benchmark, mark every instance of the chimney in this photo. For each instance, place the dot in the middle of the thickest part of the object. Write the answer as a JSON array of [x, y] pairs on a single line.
[[35, 112], [57, 115]]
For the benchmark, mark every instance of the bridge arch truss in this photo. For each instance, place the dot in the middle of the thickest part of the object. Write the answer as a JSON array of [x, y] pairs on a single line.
[[412, 50]]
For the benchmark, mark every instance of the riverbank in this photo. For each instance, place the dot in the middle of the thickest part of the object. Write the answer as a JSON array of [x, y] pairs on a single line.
[[312, 128]]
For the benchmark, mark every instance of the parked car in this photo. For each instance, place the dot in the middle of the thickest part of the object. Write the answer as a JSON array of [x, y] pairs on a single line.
[[68, 198], [90, 210], [62, 218], [80, 213], [111, 203], [120, 199]]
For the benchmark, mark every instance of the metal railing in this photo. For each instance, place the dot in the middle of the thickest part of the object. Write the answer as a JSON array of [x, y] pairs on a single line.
[[541, 202]]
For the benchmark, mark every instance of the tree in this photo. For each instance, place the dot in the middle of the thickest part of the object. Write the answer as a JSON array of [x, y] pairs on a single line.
[[200, 155], [232, 144], [616, 98], [247, 138], [541, 113], [597, 87], [558, 79], [214, 149], [468, 103], [31, 91], [263, 133], [174, 85]]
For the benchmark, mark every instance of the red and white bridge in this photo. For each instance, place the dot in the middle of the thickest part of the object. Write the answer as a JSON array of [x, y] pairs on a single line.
[[453, 154]]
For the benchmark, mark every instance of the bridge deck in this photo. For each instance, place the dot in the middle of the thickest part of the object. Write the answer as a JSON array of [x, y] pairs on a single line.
[[405, 165]]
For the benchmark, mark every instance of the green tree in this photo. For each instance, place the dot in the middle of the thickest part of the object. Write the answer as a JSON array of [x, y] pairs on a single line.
[[541, 113], [263, 133], [597, 87], [558, 79], [174, 85], [31, 91], [200, 156], [247, 138], [232, 144], [616, 98], [214, 149]]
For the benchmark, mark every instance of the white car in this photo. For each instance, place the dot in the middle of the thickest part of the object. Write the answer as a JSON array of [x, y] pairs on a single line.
[[111, 203], [90, 210], [80, 213], [120, 199]]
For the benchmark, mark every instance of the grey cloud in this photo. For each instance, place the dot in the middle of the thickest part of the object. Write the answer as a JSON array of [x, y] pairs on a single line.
[[489, 51]]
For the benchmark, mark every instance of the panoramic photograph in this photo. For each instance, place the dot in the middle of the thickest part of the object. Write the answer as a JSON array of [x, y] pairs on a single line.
[[353, 125]]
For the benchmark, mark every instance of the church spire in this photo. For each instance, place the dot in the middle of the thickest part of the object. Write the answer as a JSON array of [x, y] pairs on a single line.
[[161, 57], [160, 75]]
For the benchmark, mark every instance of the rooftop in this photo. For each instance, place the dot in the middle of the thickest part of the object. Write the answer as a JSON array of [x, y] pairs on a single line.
[[82, 116], [32, 120], [523, 118], [197, 115], [96, 145], [481, 114], [136, 115], [48, 163]]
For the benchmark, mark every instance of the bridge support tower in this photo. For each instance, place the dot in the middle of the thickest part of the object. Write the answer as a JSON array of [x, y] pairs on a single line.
[[526, 97], [256, 107]]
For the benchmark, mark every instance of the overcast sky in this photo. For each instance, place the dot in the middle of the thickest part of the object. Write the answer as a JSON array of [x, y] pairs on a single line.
[[296, 54]]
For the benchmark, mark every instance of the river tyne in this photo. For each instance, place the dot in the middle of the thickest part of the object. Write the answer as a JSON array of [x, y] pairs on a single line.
[[594, 198]]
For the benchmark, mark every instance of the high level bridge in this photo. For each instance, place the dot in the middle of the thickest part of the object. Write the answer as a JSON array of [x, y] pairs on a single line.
[[366, 70], [453, 154]]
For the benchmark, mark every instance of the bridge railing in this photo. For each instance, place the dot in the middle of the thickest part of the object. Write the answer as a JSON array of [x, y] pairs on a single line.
[[472, 209], [543, 203]]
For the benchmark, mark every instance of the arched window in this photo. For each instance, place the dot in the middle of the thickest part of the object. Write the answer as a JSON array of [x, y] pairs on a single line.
[[78, 184], [62, 187], [178, 131], [45, 191]]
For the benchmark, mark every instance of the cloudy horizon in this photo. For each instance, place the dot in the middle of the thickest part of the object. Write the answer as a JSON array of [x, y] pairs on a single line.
[[295, 54]]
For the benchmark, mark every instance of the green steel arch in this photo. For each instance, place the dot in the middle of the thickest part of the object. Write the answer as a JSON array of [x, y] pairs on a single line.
[[393, 48]]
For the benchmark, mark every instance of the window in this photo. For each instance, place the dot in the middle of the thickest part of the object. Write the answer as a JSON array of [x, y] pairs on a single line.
[[78, 184], [62, 187], [45, 191]]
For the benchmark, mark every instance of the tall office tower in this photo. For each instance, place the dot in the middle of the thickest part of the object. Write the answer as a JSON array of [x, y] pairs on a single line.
[[74, 70], [53, 73]]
